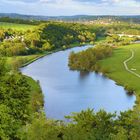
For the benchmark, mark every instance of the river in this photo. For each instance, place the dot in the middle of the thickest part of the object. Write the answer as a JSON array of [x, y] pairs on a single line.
[[67, 91]]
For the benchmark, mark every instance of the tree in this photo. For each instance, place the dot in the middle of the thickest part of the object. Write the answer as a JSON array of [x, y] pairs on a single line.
[[3, 68], [8, 125], [47, 46]]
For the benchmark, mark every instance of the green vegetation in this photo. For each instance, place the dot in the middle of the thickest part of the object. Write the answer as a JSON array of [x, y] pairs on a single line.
[[19, 21], [86, 125], [132, 29], [21, 99], [87, 60], [117, 70], [25, 100], [14, 26], [104, 29], [113, 67], [45, 37]]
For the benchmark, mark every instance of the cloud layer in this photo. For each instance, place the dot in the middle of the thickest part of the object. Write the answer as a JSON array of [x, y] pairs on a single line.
[[71, 7]]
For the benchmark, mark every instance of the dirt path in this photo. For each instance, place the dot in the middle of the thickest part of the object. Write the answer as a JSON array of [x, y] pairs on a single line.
[[127, 60]]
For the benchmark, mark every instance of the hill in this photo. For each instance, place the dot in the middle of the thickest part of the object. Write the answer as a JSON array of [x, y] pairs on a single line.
[[75, 18]]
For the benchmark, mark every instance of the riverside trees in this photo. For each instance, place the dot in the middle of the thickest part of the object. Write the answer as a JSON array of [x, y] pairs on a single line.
[[86, 125], [87, 60], [14, 100], [50, 36]]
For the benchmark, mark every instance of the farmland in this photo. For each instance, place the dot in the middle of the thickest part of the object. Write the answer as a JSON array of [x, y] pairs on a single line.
[[14, 26]]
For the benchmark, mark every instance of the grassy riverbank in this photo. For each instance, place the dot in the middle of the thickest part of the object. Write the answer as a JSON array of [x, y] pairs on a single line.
[[117, 71]]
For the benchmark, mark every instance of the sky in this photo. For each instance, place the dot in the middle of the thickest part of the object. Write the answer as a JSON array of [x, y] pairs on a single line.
[[71, 7]]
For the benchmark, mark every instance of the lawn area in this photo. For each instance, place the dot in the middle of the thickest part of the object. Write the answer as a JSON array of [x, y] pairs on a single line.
[[135, 62], [117, 70], [20, 59], [15, 26]]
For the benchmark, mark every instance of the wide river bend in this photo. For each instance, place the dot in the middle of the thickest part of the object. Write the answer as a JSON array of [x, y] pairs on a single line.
[[67, 91]]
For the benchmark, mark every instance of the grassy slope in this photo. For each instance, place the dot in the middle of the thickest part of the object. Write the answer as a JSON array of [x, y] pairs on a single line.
[[21, 59], [37, 99], [135, 62], [27, 58], [117, 69], [15, 26]]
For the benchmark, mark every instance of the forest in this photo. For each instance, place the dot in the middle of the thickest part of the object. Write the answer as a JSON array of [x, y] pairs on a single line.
[[45, 37]]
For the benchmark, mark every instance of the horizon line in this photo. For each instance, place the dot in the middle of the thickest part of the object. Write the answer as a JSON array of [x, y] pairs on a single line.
[[66, 15]]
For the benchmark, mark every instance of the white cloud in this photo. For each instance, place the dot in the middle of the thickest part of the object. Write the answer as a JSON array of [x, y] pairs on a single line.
[[71, 7]]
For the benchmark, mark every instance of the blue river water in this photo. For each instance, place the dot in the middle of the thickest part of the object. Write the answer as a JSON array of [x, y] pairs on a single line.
[[67, 91]]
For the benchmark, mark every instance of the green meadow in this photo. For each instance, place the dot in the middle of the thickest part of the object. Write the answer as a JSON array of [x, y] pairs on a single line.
[[116, 68], [16, 26], [19, 61]]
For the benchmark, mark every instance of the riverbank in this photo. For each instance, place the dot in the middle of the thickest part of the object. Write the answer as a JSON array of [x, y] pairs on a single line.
[[37, 97], [50, 70], [117, 71], [51, 52], [81, 89]]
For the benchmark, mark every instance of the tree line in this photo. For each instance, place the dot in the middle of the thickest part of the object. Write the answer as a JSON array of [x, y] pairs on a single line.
[[45, 37], [19, 21], [87, 60]]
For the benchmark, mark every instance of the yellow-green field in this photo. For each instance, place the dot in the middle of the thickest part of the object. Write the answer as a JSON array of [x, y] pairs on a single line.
[[20, 59], [117, 70], [15, 26]]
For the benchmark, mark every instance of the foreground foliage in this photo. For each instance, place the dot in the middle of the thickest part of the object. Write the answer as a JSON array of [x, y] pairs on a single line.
[[86, 125], [16, 102]]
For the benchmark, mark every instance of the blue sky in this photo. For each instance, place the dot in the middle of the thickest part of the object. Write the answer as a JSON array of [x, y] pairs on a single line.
[[71, 7]]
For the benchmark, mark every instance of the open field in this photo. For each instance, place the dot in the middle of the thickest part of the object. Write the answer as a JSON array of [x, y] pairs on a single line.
[[16, 26], [117, 71], [135, 62], [21, 60]]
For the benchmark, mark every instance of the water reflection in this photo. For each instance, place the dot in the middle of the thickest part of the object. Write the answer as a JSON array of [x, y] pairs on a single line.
[[83, 75]]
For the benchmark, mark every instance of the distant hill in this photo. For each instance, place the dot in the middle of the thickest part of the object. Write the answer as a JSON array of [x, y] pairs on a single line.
[[75, 18]]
